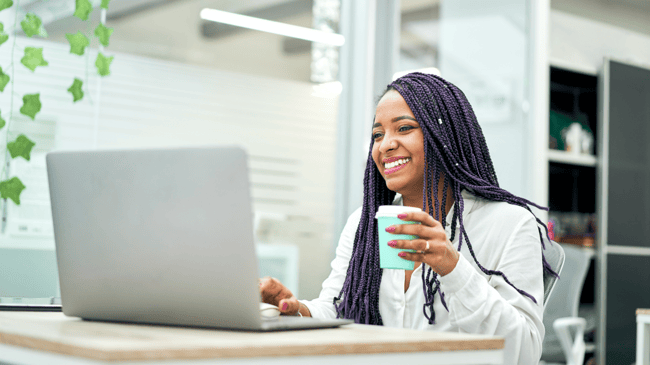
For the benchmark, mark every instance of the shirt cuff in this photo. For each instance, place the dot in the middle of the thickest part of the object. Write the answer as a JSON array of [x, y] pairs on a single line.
[[313, 310], [458, 277]]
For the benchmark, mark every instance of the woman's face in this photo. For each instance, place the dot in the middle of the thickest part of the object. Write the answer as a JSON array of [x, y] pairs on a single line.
[[398, 151]]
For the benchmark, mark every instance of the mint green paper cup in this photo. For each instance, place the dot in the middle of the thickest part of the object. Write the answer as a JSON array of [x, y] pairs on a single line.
[[387, 216]]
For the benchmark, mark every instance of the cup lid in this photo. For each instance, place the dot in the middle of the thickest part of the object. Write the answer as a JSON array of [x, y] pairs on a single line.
[[394, 210]]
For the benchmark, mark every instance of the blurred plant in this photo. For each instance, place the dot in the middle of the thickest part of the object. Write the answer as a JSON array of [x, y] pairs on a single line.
[[32, 25]]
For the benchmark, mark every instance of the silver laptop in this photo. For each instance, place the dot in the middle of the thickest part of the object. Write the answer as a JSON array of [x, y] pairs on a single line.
[[161, 236]]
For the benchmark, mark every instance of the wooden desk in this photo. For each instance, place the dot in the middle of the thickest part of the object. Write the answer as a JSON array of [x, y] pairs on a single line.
[[643, 337], [53, 338]]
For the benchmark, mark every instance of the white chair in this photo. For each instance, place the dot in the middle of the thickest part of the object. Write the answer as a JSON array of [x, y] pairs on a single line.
[[561, 311], [554, 255]]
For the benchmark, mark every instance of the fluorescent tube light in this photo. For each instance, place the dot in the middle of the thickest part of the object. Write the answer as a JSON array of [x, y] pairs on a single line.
[[269, 26]]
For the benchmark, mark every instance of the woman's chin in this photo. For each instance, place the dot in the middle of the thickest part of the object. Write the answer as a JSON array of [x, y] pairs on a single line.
[[394, 185], [403, 187]]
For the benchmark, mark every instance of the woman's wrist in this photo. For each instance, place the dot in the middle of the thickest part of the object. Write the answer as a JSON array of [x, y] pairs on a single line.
[[303, 311], [448, 262]]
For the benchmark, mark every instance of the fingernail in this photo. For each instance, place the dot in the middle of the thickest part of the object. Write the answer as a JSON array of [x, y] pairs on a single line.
[[401, 254], [401, 215], [390, 229], [284, 306], [392, 243]]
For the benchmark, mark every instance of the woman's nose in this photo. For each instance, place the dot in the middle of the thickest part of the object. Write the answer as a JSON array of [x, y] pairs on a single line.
[[388, 143]]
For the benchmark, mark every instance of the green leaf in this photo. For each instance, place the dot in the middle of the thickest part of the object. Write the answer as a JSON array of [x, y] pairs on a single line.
[[76, 91], [31, 105], [11, 189], [103, 63], [2, 122], [32, 25], [5, 4], [33, 58], [3, 36], [4, 80], [22, 147], [78, 43], [103, 33], [105, 4], [82, 9]]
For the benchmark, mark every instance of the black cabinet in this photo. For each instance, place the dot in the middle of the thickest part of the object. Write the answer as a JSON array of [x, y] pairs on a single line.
[[623, 205]]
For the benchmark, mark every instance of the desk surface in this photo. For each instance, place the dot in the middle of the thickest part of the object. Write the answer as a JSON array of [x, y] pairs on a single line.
[[56, 333]]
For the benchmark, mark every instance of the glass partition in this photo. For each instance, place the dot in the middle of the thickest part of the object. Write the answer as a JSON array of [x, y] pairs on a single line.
[[178, 78], [483, 48]]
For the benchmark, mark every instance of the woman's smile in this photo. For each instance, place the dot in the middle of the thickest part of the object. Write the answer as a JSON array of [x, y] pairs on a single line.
[[392, 165]]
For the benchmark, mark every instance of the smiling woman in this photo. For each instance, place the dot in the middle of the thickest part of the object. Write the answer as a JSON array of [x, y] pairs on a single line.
[[428, 151], [398, 148]]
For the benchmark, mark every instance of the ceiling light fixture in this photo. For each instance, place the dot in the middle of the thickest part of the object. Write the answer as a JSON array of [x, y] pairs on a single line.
[[269, 26]]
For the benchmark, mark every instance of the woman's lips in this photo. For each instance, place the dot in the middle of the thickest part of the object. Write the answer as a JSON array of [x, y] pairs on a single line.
[[396, 168]]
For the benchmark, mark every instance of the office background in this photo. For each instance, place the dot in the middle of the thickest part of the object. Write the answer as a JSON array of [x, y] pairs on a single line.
[[302, 110]]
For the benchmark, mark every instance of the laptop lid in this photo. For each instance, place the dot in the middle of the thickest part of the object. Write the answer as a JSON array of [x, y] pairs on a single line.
[[155, 236]]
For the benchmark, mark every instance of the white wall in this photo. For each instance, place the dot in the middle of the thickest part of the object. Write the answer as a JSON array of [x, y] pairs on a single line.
[[633, 15], [581, 43]]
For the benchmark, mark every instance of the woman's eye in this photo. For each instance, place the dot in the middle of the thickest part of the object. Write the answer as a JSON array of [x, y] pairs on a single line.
[[376, 135], [405, 128]]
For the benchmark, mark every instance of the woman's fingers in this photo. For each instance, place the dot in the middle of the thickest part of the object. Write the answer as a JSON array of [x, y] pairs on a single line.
[[422, 231], [432, 247], [418, 245], [273, 291], [289, 306], [428, 227], [440, 256], [422, 217]]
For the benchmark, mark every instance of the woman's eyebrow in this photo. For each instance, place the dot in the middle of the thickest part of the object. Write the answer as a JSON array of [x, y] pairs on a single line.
[[396, 119]]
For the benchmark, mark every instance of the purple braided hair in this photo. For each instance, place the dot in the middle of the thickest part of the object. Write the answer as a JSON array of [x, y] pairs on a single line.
[[455, 146]]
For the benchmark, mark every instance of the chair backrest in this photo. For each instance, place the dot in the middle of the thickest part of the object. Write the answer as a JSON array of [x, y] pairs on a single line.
[[554, 255], [565, 298]]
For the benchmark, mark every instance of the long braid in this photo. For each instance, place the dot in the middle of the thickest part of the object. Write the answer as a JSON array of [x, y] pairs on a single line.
[[359, 297], [455, 148]]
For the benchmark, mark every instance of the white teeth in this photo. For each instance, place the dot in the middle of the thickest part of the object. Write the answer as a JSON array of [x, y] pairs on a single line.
[[390, 165]]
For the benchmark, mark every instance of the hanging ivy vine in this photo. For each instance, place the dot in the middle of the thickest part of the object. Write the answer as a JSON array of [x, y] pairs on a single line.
[[33, 58]]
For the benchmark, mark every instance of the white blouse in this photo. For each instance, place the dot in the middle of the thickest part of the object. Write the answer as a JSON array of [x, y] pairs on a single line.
[[504, 237]]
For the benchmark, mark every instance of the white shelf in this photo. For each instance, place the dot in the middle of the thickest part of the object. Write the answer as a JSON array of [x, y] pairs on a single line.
[[574, 67], [572, 158]]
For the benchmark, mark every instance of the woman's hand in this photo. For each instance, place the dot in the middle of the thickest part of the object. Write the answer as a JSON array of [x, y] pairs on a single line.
[[433, 247], [273, 292]]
